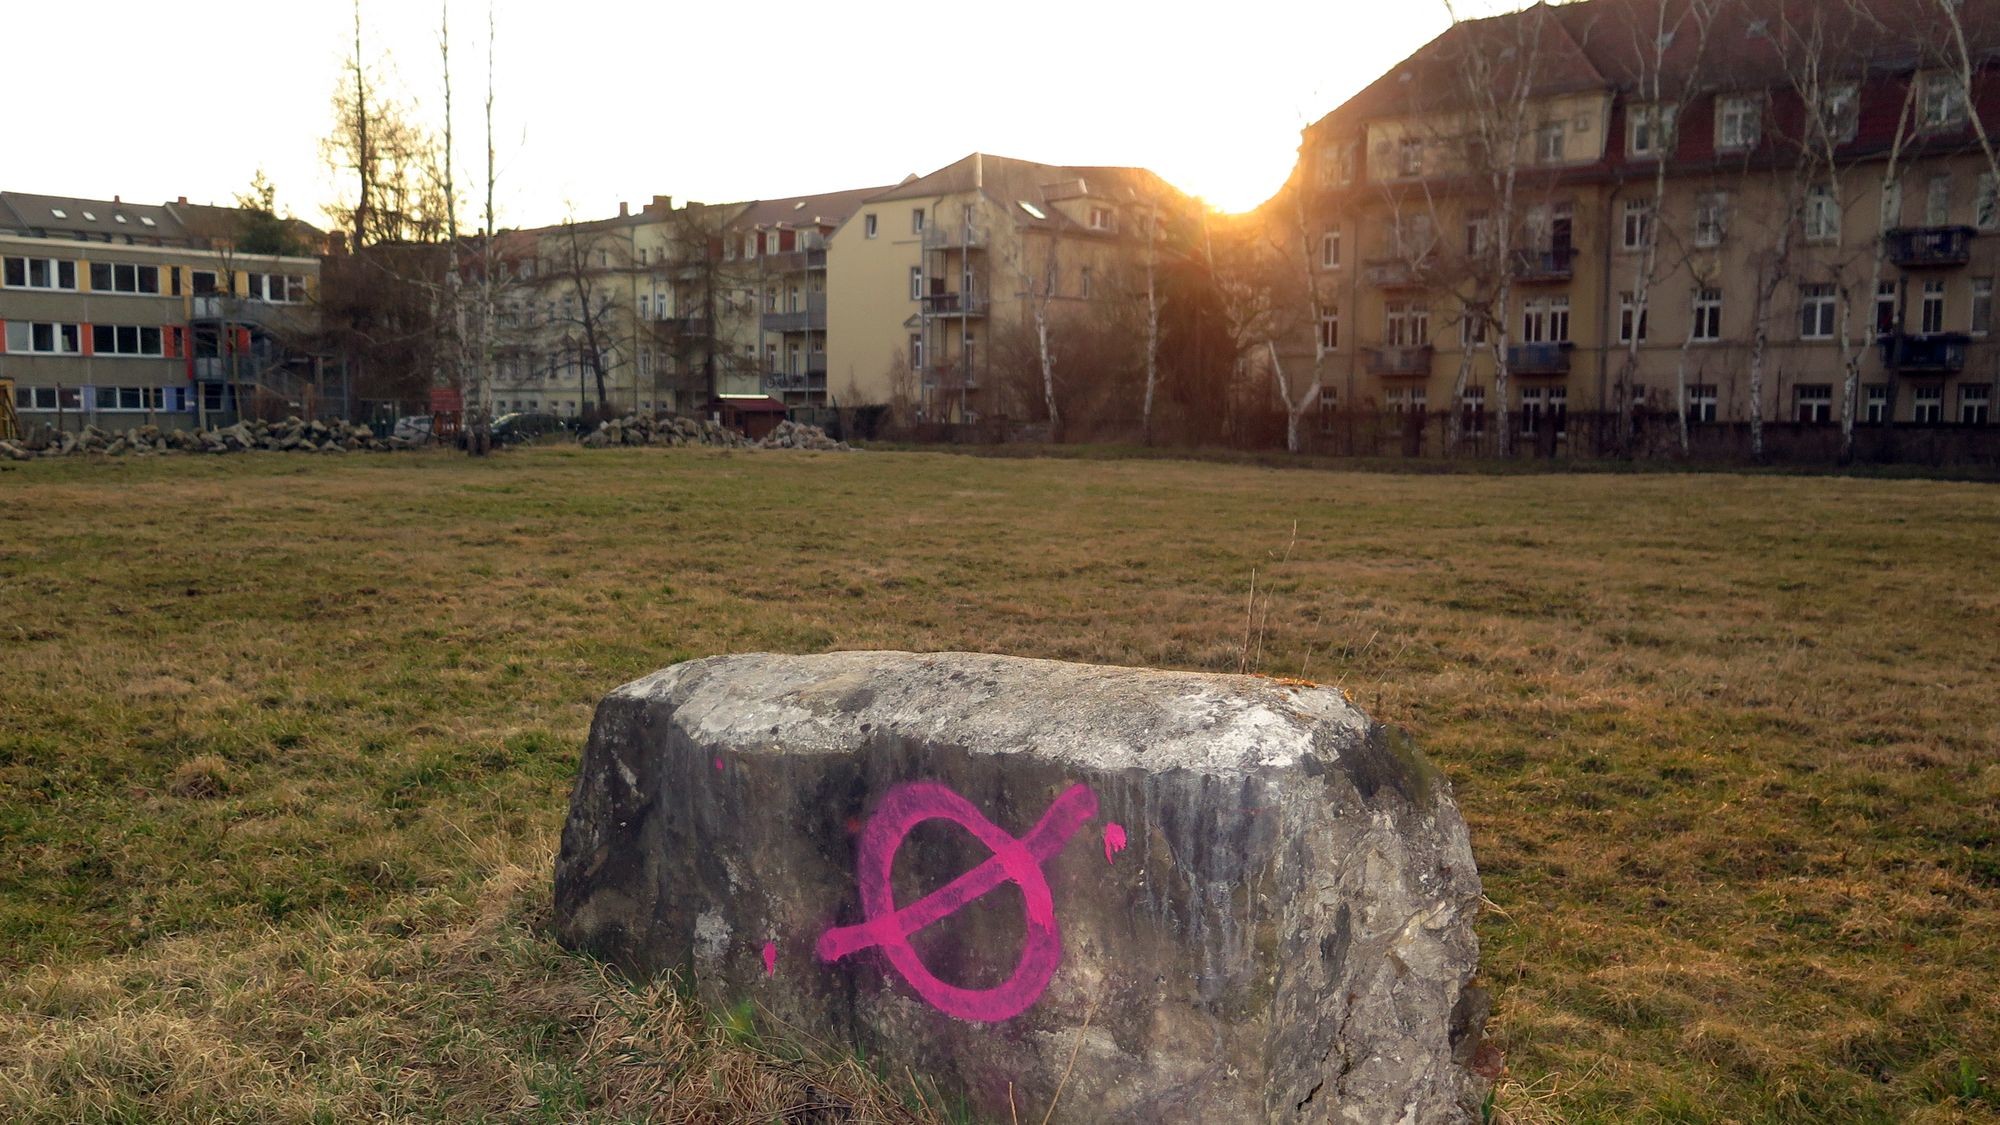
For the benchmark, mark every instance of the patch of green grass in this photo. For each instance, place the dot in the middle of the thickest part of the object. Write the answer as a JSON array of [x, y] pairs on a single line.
[[283, 753]]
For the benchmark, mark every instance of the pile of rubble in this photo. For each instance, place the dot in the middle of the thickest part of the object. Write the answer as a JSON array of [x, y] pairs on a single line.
[[642, 429], [293, 435]]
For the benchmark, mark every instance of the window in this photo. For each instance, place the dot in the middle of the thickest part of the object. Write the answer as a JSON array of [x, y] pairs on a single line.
[[1473, 406], [1875, 397], [1329, 249], [1928, 404], [1707, 328], [868, 227], [1083, 281], [916, 220], [916, 283], [1549, 143], [1631, 319], [1638, 223], [1412, 237], [770, 298], [1711, 218], [1649, 130], [1933, 307], [1892, 203], [124, 339], [916, 353], [1738, 122], [1329, 328], [47, 398], [1986, 204], [1943, 101], [1545, 320], [1471, 327], [1478, 233], [1101, 218], [124, 277], [1972, 400], [1813, 402], [1885, 307], [1410, 157], [1531, 409], [1981, 317], [1822, 216], [1329, 409], [131, 398], [1559, 409], [1816, 308], [1406, 324], [40, 337], [1840, 111], [1701, 402], [40, 273], [1937, 201], [275, 288]]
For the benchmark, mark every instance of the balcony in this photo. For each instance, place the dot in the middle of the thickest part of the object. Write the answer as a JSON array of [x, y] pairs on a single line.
[[952, 376], [812, 318], [235, 310], [211, 369], [1920, 248], [811, 379], [1538, 359], [954, 304], [1395, 273], [793, 261], [1941, 353], [686, 327], [962, 236], [1400, 362], [1542, 267]]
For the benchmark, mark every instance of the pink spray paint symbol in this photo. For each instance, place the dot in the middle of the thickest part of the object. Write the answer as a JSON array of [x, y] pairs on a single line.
[[770, 958], [1017, 861], [718, 764], [1114, 840]]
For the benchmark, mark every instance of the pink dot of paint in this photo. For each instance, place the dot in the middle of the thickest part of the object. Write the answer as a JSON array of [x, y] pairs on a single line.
[[718, 765], [770, 958], [1114, 840]]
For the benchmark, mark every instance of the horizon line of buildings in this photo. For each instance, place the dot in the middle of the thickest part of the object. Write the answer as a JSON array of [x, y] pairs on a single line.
[[1661, 233]]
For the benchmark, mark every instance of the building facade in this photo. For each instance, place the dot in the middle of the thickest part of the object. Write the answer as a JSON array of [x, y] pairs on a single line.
[[1637, 206], [118, 314], [932, 279]]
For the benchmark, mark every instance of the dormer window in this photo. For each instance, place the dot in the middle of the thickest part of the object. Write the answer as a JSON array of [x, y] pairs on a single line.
[[1944, 101], [89, 218], [59, 212], [119, 218], [1738, 122], [1410, 157], [1649, 130], [1101, 218]]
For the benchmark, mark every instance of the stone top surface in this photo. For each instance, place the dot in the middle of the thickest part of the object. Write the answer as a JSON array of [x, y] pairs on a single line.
[[1093, 715]]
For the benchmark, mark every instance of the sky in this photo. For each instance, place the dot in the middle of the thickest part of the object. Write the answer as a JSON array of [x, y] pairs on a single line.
[[598, 101]]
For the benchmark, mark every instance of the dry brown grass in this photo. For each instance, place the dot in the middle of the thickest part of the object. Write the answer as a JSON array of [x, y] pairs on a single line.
[[277, 736]]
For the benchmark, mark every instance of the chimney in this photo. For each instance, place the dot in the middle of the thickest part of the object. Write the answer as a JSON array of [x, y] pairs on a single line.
[[624, 209], [183, 201], [979, 170], [115, 199]]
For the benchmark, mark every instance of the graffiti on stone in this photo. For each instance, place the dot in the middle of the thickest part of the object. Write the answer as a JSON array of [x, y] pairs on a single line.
[[1017, 860]]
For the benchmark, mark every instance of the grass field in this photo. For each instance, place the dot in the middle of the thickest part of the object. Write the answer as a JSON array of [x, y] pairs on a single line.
[[285, 743]]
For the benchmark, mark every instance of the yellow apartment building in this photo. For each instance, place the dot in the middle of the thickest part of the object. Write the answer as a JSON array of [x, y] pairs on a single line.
[[927, 277]]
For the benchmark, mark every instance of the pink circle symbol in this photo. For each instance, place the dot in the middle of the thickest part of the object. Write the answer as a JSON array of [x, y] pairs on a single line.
[[1017, 861]]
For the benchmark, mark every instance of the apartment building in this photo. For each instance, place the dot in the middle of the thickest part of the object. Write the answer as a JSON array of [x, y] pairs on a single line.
[[784, 243], [926, 277], [648, 310], [1618, 205], [117, 314]]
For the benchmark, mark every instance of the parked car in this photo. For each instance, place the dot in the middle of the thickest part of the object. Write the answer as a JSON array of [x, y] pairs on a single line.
[[414, 427], [512, 429]]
